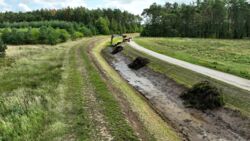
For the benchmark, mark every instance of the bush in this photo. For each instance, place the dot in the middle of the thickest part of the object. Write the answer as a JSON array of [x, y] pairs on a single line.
[[64, 35], [86, 31], [203, 96], [53, 36], [3, 47], [32, 36], [102, 25], [77, 35], [138, 63]]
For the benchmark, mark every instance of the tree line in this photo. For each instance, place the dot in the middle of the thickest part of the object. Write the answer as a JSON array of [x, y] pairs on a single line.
[[100, 21], [42, 32], [43, 35], [204, 18]]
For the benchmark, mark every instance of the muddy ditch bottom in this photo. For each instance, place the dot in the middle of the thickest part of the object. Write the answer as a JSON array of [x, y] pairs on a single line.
[[163, 93]]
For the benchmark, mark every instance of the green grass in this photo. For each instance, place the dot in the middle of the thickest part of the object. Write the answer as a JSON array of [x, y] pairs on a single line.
[[28, 89], [44, 95], [234, 97], [115, 118], [231, 56]]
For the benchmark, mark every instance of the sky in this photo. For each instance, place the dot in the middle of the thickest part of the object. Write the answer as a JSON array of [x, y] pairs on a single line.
[[133, 6]]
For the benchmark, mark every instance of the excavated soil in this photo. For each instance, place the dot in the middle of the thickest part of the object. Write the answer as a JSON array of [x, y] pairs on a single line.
[[163, 93]]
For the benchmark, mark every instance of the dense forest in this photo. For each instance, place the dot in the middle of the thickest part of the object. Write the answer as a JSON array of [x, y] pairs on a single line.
[[42, 32], [204, 18], [115, 19], [50, 26]]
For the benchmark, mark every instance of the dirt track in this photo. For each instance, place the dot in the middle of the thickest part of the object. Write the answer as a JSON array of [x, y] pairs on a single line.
[[163, 93], [224, 77]]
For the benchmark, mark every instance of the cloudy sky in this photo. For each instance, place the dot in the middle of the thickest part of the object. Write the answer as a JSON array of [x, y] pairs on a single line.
[[134, 6]]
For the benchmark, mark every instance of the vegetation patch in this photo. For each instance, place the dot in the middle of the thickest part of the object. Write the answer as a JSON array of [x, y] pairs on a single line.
[[28, 91], [42, 35], [138, 63], [203, 96]]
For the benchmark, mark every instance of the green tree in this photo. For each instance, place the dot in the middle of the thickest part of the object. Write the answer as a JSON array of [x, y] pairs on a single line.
[[102, 25], [207, 18]]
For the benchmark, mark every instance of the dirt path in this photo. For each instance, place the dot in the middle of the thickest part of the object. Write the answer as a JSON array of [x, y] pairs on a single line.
[[224, 77], [163, 93], [101, 131]]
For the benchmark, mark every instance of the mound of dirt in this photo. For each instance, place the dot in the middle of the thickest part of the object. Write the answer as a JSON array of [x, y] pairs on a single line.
[[138, 63], [117, 50], [203, 96]]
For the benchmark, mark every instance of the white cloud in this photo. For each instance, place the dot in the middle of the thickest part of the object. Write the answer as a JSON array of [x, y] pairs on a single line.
[[59, 4], [23, 7], [133, 6], [136, 6], [4, 6]]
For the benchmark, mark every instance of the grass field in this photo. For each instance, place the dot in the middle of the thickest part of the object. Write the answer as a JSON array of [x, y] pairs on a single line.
[[235, 98], [231, 56], [55, 93]]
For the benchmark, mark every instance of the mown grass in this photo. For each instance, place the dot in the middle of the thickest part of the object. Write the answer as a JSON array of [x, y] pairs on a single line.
[[72, 121], [117, 123], [233, 96], [153, 122], [231, 56]]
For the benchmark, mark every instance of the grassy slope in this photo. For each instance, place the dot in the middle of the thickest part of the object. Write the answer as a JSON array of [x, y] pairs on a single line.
[[116, 121], [231, 56], [44, 95], [153, 123], [234, 97]]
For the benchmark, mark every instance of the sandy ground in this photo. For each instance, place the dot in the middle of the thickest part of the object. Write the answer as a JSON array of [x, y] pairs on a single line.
[[224, 77], [163, 93]]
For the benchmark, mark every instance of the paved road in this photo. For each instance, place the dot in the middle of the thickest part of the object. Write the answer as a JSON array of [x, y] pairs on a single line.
[[225, 77]]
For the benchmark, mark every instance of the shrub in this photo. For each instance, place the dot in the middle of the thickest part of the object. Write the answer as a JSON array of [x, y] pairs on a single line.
[[3, 47], [64, 35], [138, 63], [32, 36], [86, 31], [102, 24], [53, 36], [203, 96], [77, 35]]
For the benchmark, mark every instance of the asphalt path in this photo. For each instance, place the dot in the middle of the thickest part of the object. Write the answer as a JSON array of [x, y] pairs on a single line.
[[218, 75]]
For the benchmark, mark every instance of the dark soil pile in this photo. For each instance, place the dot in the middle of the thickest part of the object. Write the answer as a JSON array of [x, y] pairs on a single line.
[[117, 50], [203, 96], [138, 63]]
